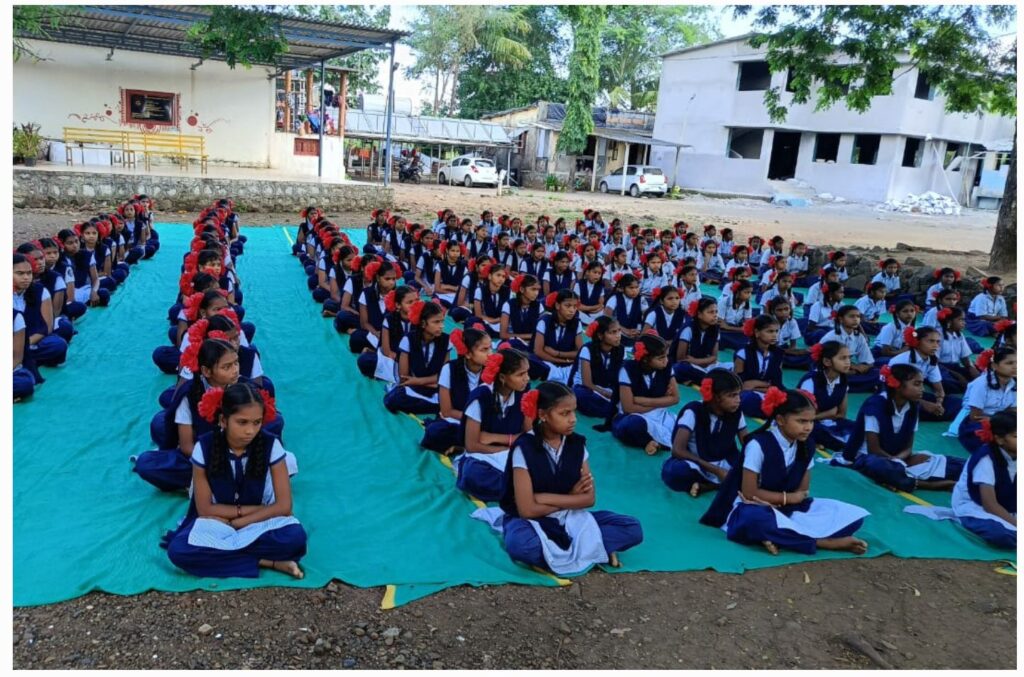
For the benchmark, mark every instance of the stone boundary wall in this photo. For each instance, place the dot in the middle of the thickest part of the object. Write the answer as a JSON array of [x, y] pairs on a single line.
[[94, 191]]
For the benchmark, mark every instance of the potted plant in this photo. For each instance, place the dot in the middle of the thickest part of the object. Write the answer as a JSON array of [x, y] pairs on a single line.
[[27, 143]]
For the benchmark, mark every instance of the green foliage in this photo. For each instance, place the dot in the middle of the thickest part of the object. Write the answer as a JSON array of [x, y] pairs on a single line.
[[551, 183], [584, 63], [828, 48], [239, 36], [27, 141], [485, 86], [634, 40], [36, 21], [365, 64]]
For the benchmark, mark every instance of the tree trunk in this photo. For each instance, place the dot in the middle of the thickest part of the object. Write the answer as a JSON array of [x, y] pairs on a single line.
[[572, 173], [455, 86], [1003, 257], [437, 82]]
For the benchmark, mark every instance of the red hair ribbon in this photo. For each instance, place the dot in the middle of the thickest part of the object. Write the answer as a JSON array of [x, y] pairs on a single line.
[[517, 283], [197, 332], [209, 405], [1003, 325], [639, 351], [984, 433], [616, 277], [389, 301], [810, 397], [886, 373], [415, 312], [691, 309], [750, 240], [185, 283], [218, 335], [892, 310], [550, 299], [772, 400], [735, 286], [370, 272], [833, 315], [230, 313], [528, 405], [191, 305], [748, 327], [493, 366], [269, 407], [458, 343], [816, 352], [706, 392], [985, 284], [377, 212], [656, 293], [485, 269], [882, 264], [591, 329], [910, 337], [587, 213], [944, 314], [984, 359]]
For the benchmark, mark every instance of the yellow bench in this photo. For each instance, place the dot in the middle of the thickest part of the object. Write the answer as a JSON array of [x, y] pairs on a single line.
[[185, 147], [99, 139]]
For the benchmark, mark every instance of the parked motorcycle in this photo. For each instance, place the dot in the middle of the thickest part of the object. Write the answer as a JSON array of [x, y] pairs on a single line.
[[409, 171]]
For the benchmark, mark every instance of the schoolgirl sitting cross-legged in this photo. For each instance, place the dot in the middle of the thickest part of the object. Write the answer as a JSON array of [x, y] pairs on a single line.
[[647, 393], [383, 364], [421, 355], [239, 518], [457, 380], [545, 518]]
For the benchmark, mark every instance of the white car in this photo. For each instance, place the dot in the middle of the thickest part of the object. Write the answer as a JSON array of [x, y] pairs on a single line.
[[469, 171], [640, 179]]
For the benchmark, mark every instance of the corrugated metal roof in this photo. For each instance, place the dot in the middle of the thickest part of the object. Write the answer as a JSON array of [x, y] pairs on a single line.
[[634, 138], [160, 29], [420, 129]]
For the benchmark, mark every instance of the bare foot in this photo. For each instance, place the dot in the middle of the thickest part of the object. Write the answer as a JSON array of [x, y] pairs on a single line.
[[695, 490], [771, 547], [652, 448], [847, 543], [613, 560], [284, 566]]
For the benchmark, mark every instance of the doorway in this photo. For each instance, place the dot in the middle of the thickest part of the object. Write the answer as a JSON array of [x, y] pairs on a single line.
[[785, 148]]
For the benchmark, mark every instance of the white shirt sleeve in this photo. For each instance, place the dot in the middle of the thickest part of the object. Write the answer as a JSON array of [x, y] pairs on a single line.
[[753, 457], [473, 411], [276, 452], [584, 353], [688, 420], [347, 288], [871, 424], [686, 334], [542, 326], [478, 294], [257, 367], [403, 345], [19, 323], [198, 458], [624, 377], [444, 380], [506, 308], [183, 414], [984, 473]]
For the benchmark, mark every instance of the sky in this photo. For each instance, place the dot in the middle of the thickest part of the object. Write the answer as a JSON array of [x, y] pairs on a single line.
[[402, 15]]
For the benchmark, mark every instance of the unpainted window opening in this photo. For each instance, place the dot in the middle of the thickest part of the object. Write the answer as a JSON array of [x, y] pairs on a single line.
[[826, 147], [912, 152], [754, 76], [953, 151], [923, 89], [789, 80], [865, 149], [745, 143], [1002, 159]]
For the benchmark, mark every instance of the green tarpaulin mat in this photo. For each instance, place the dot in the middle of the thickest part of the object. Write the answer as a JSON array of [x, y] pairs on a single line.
[[379, 511]]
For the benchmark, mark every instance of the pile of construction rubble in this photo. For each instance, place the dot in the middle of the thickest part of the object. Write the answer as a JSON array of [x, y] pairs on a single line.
[[925, 203]]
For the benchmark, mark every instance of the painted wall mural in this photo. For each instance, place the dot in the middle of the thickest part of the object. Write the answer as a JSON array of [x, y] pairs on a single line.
[[115, 115]]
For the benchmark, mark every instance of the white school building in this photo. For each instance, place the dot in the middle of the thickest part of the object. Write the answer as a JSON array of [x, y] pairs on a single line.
[[712, 98]]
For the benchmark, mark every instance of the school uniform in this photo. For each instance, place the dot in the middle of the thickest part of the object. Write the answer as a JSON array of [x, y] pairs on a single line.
[[798, 266], [650, 281], [377, 365], [590, 295], [82, 264], [629, 313], [491, 304], [559, 281], [24, 381], [860, 353], [207, 547], [320, 294], [870, 312], [892, 285], [931, 297], [506, 257], [689, 295], [700, 344], [726, 248], [483, 475], [952, 350], [982, 305], [895, 429], [834, 432], [462, 314], [713, 439], [637, 430], [442, 434], [990, 400], [716, 266], [330, 305], [989, 465], [345, 320], [790, 336], [54, 284], [931, 318], [478, 247], [755, 256], [425, 358], [773, 292], [560, 337], [532, 266], [929, 366], [733, 340], [49, 351], [814, 294], [604, 373], [370, 298], [758, 366], [891, 335], [820, 320], [565, 541], [794, 527]]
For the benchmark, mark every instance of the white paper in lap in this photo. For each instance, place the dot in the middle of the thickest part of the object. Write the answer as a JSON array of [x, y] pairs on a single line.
[[387, 369], [211, 533]]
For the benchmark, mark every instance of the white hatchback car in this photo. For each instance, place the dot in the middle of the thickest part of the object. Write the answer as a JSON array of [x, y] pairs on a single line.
[[469, 171], [640, 179]]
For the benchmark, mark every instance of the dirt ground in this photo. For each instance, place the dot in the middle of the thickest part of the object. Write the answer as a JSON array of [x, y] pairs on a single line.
[[937, 240], [908, 614], [873, 613]]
